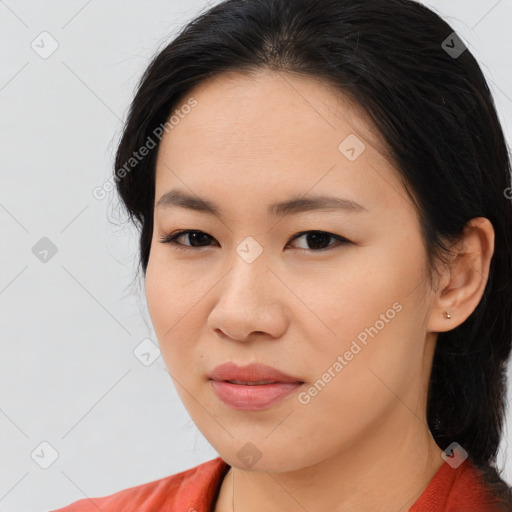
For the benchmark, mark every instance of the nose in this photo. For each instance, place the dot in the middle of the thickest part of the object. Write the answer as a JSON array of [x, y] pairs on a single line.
[[249, 304]]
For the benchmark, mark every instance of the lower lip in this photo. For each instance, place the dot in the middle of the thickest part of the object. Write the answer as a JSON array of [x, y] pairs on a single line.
[[252, 398]]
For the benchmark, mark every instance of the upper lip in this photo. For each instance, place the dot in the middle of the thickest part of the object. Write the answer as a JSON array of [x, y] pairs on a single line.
[[253, 372]]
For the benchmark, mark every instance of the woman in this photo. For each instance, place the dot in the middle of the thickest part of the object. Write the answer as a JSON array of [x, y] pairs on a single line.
[[365, 372]]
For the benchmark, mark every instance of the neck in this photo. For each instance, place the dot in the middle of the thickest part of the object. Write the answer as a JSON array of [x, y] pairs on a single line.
[[382, 471]]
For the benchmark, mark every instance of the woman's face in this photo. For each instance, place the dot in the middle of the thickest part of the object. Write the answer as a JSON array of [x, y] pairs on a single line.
[[349, 318]]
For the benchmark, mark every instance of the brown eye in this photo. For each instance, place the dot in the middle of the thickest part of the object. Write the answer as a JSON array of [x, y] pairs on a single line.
[[196, 238], [316, 240], [319, 240]]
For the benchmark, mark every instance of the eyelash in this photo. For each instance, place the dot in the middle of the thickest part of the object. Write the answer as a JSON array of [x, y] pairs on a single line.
[[171, 240]]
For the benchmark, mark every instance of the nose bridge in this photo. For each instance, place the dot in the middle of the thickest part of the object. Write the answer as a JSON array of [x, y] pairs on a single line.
[[248, 270], [246, 301]]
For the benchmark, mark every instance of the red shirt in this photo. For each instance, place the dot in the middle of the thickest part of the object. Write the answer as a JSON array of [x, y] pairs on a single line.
[[196, 490]]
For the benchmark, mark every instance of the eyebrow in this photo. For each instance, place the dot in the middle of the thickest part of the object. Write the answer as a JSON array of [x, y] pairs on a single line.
[[180, 198]]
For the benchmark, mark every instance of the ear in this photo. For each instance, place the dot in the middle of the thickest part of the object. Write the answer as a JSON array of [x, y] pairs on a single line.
[[462, 282]]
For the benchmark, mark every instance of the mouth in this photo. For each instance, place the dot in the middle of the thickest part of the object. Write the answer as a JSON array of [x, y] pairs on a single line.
[[251, 374], [252, 396], [249, 383], [252, 387]]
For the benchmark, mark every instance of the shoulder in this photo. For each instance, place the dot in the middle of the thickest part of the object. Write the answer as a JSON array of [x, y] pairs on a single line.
[[182, 491], [473, 493], [462, 489]]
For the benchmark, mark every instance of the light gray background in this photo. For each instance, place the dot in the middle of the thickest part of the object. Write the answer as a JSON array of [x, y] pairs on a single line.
[[69, 326]]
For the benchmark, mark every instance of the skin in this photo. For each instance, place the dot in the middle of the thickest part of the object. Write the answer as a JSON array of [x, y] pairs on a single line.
[[362, 443]]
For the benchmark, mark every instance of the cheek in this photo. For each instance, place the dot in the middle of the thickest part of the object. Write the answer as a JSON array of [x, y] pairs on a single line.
[[169, 290], [351, 296], [174, 305], [373, 317], [163, 297], [157, 293]]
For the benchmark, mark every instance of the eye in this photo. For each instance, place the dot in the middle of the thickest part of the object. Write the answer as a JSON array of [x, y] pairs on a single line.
[[195, 236], [314, 238]]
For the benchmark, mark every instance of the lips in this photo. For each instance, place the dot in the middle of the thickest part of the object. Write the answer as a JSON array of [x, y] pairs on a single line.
[[252, 374], [251, 388], [249, 383]]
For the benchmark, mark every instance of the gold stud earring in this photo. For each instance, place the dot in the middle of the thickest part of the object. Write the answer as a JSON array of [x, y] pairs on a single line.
[[446, 314]]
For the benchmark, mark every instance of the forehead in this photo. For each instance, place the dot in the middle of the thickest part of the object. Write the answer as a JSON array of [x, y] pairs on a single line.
[[261, 103], [269, 132]]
